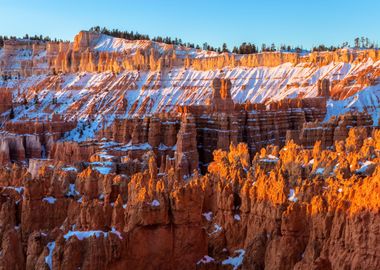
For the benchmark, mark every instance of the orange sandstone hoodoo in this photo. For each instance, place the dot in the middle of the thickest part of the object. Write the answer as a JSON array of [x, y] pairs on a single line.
[[120, 154]]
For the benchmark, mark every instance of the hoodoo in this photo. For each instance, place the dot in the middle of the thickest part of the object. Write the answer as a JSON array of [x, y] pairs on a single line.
[[136, 154]]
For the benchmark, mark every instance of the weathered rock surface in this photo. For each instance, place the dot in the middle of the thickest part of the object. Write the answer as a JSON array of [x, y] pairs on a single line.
[[289, 215], [89, 52], [119, 154]]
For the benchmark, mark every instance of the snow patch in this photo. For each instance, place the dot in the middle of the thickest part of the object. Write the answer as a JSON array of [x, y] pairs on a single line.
[[364, 167], [206, 259], [217, 228], [235, 262], [69, 169], [292, 196], [72, 191], [103, 170], [132, 147], [49, 257], [87, 234], [366, 99], [320, 171], [19, 190], [84, 234], [114, 231], [207, 215], [50, 200], [155, 203]]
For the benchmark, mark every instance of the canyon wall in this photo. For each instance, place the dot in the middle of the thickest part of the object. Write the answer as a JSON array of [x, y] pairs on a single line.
[[275, 211], [120, 154], [93, 52]]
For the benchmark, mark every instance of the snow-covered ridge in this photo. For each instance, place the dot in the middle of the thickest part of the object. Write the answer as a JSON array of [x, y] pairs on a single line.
[[101, 97], [95, 99], [93, 41], [366, 100], [107, 43]]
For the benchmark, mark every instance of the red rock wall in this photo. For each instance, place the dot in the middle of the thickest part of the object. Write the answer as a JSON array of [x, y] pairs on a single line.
[[80, 56], [5, 100], [337, 129], [152, 221]]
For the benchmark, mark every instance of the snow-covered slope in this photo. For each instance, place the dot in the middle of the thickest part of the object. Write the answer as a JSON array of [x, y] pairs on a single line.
[[366, 100], [103, 96], [111, 44], [184, 86]]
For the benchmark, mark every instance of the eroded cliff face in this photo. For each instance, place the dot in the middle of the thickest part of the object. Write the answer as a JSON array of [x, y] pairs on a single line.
[[289, 208], [135, 197], [93, 52], [119, 154], [107, 63]]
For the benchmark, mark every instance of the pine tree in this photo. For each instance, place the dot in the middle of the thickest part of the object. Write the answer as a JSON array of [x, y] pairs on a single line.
[[357, 43], [224, 48]]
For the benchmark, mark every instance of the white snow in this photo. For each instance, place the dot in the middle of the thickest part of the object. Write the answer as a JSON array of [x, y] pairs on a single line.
[[113, 44], [269, 160], [82, 93], [206, 259], [155, 203], [237, 217], [50, 200], [217, 228], [69, 169], [72, 191], [336, 166], [84, 234], [131, 147], [235, 262], [320, 171], [163, 147], [49, 258], [364, 166], [114, 231], [207, 215], [87, 234], [19, 190], [292, 196], [107, 144], [366, 99], [105, 156], [103, 170]]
